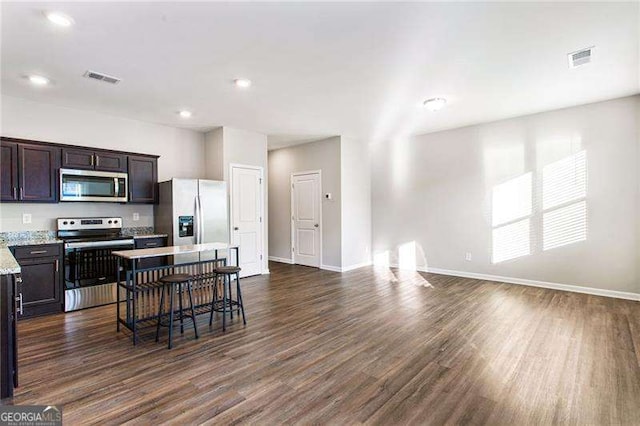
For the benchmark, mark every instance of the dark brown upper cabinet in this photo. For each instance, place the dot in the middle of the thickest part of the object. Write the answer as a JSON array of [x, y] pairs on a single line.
[[9, 171], [143, 179], [110, 162], [37, 173], [87, 159], [31, 170]]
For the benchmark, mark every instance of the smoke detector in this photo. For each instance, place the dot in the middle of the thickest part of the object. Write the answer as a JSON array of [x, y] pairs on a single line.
[[102, 77], [580, 57]]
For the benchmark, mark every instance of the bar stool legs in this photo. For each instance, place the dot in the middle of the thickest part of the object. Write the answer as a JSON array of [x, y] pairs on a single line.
[[193, 311], [171, 294], [170, 282], [160, 312], [227, 303], [240, 301], [224, 303]]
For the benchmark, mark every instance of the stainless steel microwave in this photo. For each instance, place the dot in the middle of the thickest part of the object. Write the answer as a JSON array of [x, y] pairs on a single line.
[[91, 185]]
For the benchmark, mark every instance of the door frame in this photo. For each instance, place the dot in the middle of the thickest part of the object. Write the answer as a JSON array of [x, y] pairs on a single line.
[[264, 264], [307, 172]]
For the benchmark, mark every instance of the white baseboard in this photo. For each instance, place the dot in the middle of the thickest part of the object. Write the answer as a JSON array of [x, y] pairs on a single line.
[[331, 268], [356, 266], [533, 283], [290, 262], [281, 260], [498, 278]]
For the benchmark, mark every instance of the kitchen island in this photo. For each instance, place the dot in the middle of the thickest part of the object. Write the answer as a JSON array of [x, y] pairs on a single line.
[[139, 289]]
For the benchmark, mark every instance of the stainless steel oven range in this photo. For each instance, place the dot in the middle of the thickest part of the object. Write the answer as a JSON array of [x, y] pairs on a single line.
[[89, 267]]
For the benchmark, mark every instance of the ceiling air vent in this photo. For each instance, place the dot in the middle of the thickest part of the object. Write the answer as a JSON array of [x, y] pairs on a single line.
[[580, 57], [102, 77]]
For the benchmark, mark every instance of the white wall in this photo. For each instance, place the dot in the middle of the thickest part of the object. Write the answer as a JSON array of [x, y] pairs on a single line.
[[321, 155], [244, 147], [181, 154], [355, 175], [225, 146], [436, 190], [214, 154]]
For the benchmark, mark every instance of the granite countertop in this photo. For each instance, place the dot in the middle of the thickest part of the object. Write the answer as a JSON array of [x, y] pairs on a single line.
[[28, 238], [33, 242], [8, 263]]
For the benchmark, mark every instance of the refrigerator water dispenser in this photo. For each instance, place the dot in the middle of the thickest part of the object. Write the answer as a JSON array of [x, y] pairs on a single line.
[[185, 226]]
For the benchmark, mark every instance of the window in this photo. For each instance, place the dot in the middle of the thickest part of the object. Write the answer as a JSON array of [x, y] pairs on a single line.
[[511, 218], [564, 191], [564, 209]]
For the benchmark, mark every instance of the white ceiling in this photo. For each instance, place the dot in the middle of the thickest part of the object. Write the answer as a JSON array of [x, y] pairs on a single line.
[[322, 69]]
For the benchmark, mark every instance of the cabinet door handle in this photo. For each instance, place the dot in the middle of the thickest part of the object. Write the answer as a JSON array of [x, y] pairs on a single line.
[[92, 159], [152, 244], [57, 265], [38, 251], [15, 193], [19, 308], [130, 195], [21, 193], [97, 160]]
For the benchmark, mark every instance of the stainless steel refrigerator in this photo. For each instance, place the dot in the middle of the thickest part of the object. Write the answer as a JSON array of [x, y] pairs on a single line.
[[192, 211]]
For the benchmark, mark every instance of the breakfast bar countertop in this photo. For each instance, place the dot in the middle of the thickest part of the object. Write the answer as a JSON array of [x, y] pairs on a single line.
[[172, 250]]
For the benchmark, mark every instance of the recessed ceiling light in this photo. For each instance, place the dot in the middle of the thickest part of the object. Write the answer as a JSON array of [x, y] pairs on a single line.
[[38, 80], [59, 19], [185, 114], [435, 104], [242, 82]]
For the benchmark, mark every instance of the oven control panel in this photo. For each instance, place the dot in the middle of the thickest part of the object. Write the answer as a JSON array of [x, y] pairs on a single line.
[[79, 223]]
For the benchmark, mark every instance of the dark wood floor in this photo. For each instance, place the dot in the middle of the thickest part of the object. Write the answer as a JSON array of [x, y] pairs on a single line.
[[368, 346]]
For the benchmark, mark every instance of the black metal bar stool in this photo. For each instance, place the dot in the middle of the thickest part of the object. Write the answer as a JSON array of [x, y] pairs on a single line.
[[227, 303], [175, 283]]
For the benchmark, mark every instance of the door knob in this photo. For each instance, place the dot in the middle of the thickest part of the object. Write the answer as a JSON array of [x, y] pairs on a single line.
[[316, 225], [235, 228]]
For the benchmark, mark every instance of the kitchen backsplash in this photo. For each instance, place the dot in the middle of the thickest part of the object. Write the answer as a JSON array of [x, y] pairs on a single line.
[[137, 230], [7, 238], [43, 216]]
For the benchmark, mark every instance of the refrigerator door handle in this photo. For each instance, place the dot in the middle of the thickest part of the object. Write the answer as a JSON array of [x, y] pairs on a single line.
[[196, 220], [201, 220]]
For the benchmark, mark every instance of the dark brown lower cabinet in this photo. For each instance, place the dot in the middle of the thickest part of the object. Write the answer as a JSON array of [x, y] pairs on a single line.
[[8, 337], [151, 262], [40, 291]]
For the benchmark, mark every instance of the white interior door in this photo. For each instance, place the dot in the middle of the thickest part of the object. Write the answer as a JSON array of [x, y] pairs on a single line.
[[306, 203], [246, 217]]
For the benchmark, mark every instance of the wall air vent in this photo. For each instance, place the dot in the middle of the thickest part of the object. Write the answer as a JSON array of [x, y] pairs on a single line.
[[580, 57], [102, 77]]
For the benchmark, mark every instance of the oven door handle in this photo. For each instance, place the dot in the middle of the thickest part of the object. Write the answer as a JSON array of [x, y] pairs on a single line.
[[99, 244]]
